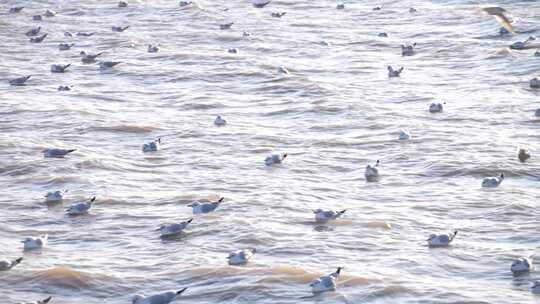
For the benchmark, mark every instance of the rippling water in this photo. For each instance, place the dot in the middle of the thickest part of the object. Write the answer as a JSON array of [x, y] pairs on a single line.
[[333, 114]]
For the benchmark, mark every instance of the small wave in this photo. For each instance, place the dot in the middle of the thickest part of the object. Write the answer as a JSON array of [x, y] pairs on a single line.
[[63, 276], [125, 129]]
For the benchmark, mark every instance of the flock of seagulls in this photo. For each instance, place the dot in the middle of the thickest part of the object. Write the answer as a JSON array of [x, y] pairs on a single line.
[[243, 256]]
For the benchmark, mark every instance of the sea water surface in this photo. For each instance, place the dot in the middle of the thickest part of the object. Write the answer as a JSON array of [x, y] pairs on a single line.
[[334, 113]]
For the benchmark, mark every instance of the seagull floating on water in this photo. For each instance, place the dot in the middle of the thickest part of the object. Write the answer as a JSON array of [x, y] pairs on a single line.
[[372, 172], [152, 146], [233, 51], [327, 215], [340, 6], [521, 266], [7, 264], [55, 196], [37, 18], [382, 34], [19, 81], [523, 45], [404, 135], [412, 10], [278, 14], [162, 298], [119, 29], [80, 208], [57, 153], [394, 73], [492, 182], [407, 49], [185, 3], [153, 49], [200, 208], [442, 240], [226, 26], [173, 229], [241, 257], [534, 83], [523, 154], [16, 9], [36, 243], [275, 159], [105, 65], [65, 46], [38, 39], [64, 88], [283, 70], [59, 68], [326, 283], [220, 121], [260, 3], [85, 34], [44, 301], [122, 4], [33, 31], [498, 13], [50, 13], [89, 58], [436, 107]]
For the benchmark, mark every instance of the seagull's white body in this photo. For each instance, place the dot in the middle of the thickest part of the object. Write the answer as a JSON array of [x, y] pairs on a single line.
[[80, 208], [59, 68], [442, 240], [200, 208], [521, 265], [327, 215], [36, 243], [534, 83], [173, 229], [56, 153], [152, 146], [275, 159], [88, 58], [55, 197], [241, 257], [372, 172], [404, 135], [220, 121], [162, 298], [492, 182], [44, 301], [325, 283], [394, 73], [7, 264], [407, 50]]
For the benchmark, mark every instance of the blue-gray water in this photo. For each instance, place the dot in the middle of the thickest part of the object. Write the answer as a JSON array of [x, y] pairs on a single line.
[[334, 113]]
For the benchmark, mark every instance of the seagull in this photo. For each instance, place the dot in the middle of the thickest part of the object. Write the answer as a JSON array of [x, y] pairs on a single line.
[[326, 283], [84, 34], [241, 257], [50, 13], [436, 107], [7, 264], [407, 49], [57, 153], [220, 121], [80, 208], [442, 240], [394, 73], [37, 18], [233, 51], [88, 58], [246, 34], [16, 9], [104, 65], [523, 154], [412, 10], [44, 301], [65, 46], [36, 243], [275, 159], [34, 31], [383, 34], [122, 4], [162, 298], [377, 8], [173, 229], [498, 13], [535, 288], [404, 135], [278, 15], [199, 208], [55, 197], [59, 68], [523, 45], [19, 81], [152, 146], [152, 49], [327, 215], [38, 39], [283, 70], [260, 3], [64, 88], [226, 26], [492, 182], [185, 3], [521, 266], [119, 28], [340, 6], [372, 172], [534, 83]]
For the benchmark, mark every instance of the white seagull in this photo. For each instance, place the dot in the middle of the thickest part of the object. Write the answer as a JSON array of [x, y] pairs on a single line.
[[260, 3], [7, 264], [275, 159], [57, 153], [326, 283], [44, 301], [199, 208], [534, 83], [327, 215], [33, 31], [55, 196], [442, 240], [152, 146], [404, 135], [372, 172], [19, 81], [59, 68], [492, 182], [162, 298], [407, 49], [436, 107], [220, 121], [521, 266], [80, 208], [241, 257], [173, 229], [394, 73], [65, 46], [36, 243]]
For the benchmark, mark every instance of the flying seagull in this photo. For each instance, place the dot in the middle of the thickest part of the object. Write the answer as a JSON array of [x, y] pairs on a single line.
[[498, 13]]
